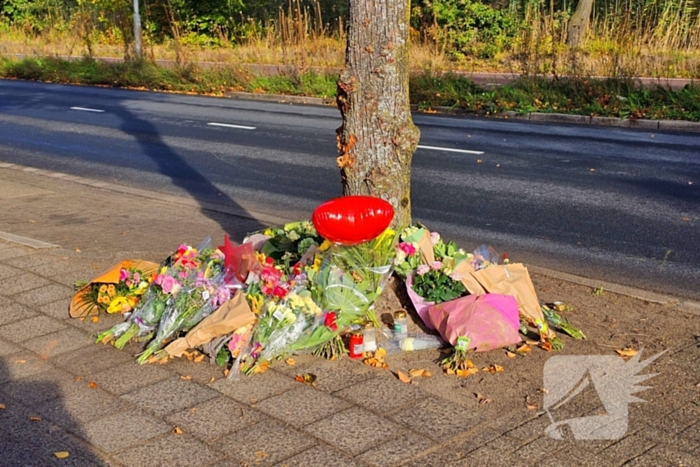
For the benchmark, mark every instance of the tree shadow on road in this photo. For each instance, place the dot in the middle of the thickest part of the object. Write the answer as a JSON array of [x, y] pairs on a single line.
[[27, 437], [184, 176]]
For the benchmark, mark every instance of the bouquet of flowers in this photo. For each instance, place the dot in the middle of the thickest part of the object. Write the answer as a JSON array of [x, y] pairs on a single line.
[[194, 303], [167, 283], [288, 244], [116, 291]]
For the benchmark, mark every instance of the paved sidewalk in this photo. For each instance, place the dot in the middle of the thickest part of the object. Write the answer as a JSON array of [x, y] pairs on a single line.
[[61, 392]]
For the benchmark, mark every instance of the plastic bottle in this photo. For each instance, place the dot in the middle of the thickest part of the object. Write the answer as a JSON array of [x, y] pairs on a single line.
[[409, 344]]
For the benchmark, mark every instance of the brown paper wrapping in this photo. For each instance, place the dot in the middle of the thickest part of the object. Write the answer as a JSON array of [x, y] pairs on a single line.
[[230, 316], [425, 247], [80, 309], [513, 279], [465, 271]]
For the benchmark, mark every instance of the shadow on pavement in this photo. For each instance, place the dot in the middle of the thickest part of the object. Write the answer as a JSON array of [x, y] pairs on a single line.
[[26, 442]]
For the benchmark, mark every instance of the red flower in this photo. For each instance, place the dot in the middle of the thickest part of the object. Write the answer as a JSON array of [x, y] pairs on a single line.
[[297, 269], [330, 321], [279, 291]]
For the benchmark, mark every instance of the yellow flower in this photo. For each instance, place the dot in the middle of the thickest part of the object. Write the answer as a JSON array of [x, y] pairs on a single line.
[[118, 305], [325, 245], [103, 288], [269, 233], [317, 263], [111, 290]]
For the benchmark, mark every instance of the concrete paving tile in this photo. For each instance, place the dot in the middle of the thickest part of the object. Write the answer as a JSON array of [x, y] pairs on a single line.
[[170, 396], [21, 283], [331, 376], [7, 349], [23, 331], [41, 265], [666, 455], [396, 451], [381, 394], [11, 311], [264, 443], [104, 322], [57, 309], [43, 295], [627, 448], [537, 449], [318, 456], [486, 457], [130, 376], [215, 418], [48, 384], [530, 430], [437, 418], [301, 406], [354, 430], [20, 365], [121, 430], [255, 388], [80, 405], [59, 342], [201, 372], [86, 362], [8, 271], [443, 457], [14, 252], [678, 420], [169, 451]]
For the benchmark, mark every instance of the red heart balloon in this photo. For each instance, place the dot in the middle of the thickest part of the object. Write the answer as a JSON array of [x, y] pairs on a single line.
[[350, 220]]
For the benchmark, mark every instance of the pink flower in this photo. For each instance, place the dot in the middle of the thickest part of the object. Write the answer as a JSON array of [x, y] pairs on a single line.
[[137, 278], [407, 248], [455, 276], [169, 283], [123, 275], [159, 279], [422, 269], [434, 238], [436, 265]]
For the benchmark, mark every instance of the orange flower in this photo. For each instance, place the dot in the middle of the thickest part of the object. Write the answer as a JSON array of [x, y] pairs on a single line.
[[111, 290], [103, 288]]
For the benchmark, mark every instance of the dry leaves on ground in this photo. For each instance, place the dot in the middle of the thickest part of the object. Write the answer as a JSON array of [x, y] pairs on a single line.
[[626, 353], [61, 454]]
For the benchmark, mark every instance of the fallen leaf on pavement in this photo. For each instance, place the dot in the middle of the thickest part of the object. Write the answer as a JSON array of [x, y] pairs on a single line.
[[307, 378], [523, 349], [34, 419], [531, 407], [510, 354], [547, 346], [20, 361], [61, 454], [626, 353], [95, 319], [290, 362], [185, 378], [417, 372], [92, 385], [226, 372], [199, 358], [403, 377], [212, 379], [78, 378], [177, 431], [493, 368], [2, 406]]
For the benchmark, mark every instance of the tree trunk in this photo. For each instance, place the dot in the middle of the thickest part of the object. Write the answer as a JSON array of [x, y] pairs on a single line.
[[578, 24], [377, 138]]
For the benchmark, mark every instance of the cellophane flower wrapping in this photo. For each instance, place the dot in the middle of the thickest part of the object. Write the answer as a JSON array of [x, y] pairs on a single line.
[[204, 289]]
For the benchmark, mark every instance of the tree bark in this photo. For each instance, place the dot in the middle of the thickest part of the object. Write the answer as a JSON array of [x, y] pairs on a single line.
[[377, 138], [578, 24]]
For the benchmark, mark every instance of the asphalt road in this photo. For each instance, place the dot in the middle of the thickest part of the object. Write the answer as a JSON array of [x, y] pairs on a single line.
[[614, 204]]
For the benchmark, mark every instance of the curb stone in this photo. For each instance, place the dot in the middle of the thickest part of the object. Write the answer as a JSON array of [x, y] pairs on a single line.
[[672, 125]]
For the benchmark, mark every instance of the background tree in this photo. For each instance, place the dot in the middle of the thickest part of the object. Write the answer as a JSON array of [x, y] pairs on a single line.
[[377, 138], [578, 24]]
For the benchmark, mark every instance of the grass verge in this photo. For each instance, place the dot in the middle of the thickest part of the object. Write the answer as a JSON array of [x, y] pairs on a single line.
[[583, 96]]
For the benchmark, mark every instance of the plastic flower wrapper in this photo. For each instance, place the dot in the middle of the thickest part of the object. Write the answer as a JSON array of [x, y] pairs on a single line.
[[287, 244], [369, 264], [202, 295], [345, 303], [147, 314], [117, 290], [280, 324], [178, 269]]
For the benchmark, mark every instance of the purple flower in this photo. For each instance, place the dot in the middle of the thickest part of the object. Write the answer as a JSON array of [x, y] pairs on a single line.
[[422, 269], [436, 265]]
